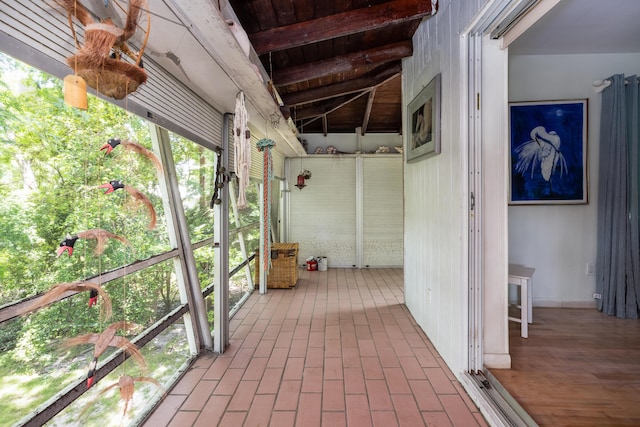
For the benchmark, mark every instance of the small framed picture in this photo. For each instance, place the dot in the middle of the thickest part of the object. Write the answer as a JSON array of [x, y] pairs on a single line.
[[548, 152], [423, 123]]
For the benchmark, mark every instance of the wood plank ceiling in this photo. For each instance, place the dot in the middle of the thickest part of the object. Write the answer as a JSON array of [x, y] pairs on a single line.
[[336, 64]]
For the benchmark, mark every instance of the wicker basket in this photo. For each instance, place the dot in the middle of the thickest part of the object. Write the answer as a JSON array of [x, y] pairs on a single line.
[[284, 267], [99, 59]]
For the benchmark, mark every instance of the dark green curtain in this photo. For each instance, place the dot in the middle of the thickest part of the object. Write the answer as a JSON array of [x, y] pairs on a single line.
[[618, 252]]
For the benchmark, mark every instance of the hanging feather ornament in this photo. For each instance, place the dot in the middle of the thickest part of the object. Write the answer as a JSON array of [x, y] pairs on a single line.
[[99, 61], [59, 290], [106, 339], [138, 195], [134, 147], [97, 234]]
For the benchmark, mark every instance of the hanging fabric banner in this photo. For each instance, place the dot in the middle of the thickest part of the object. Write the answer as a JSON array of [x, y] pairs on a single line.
[[242, 148], [265, 145]]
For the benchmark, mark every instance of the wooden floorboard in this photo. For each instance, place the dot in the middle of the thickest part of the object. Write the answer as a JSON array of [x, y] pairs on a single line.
[[579, 367]]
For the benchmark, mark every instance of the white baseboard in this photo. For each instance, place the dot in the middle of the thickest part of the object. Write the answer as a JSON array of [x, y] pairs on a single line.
[[497, 360], [542, 302]]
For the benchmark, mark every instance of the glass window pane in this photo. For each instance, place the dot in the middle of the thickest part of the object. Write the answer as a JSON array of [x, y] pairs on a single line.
[[35, 364], [239, 283], [204, 265], [102, 405], [51, 170], [195, 169], [57, 165], [251, 213]]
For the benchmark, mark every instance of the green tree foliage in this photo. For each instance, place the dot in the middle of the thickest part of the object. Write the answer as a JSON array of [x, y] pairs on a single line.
[[50, 168]]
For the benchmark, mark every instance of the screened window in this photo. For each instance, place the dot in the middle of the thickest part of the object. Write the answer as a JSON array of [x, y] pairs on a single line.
[[62, 227]]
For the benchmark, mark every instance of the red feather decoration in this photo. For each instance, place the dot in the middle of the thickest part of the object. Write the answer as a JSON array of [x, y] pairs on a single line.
[[142, 198], [106, 339], [60, 289], [136, 148]]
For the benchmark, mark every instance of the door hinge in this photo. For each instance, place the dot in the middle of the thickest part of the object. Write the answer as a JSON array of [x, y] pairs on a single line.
[[473, 201], [478, 101]]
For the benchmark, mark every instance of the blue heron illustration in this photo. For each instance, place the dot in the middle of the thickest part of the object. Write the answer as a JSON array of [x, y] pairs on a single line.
[[543, 151]]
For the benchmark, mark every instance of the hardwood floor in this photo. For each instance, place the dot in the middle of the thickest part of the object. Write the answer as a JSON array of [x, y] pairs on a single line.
[[579, 367]]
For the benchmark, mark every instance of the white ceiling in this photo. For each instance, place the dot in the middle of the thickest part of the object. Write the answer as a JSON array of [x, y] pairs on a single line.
[[583, 27]]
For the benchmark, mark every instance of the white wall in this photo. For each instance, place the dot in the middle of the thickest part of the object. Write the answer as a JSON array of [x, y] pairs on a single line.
[[340, 216], [323, 214], [382, 212], [435, 191], [560, 240]]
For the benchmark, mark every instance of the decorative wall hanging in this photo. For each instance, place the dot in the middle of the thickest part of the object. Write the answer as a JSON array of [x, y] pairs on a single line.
[[302, 176], [265, 145], [100, 60], [242, 148], [548, 152], [423, 122]]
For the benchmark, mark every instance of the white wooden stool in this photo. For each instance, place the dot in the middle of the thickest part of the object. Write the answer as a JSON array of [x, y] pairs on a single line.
[[519, 275]]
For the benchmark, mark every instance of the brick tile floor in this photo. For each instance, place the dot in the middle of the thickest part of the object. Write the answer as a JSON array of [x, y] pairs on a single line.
[[340, 349]]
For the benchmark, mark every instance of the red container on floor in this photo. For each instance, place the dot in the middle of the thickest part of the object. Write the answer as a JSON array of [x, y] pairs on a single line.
[[312, 265]]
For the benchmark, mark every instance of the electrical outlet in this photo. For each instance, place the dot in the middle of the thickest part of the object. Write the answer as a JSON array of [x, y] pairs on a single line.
[[597, 296], [591, 270]]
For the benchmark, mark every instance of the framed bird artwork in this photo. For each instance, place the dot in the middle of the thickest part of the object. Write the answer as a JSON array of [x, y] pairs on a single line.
[[548, 152]]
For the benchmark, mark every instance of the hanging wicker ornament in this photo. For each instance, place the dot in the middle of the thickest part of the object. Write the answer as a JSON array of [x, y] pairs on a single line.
[[100, 61]]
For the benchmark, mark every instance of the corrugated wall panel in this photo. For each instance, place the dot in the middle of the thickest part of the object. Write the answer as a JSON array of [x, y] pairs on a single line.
[[257, 159], [278, 165], [324, 217], [38, 34], [323, 214], [382, 212]]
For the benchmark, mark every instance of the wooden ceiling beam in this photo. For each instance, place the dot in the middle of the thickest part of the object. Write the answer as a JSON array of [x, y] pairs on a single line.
[[345, 102], [344, 63], [342, 88], [320, 108], [367, 111], [341, 24]]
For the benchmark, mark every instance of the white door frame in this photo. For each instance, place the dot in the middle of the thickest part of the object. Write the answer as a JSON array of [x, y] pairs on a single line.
[[487, 215], [486, 126]]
